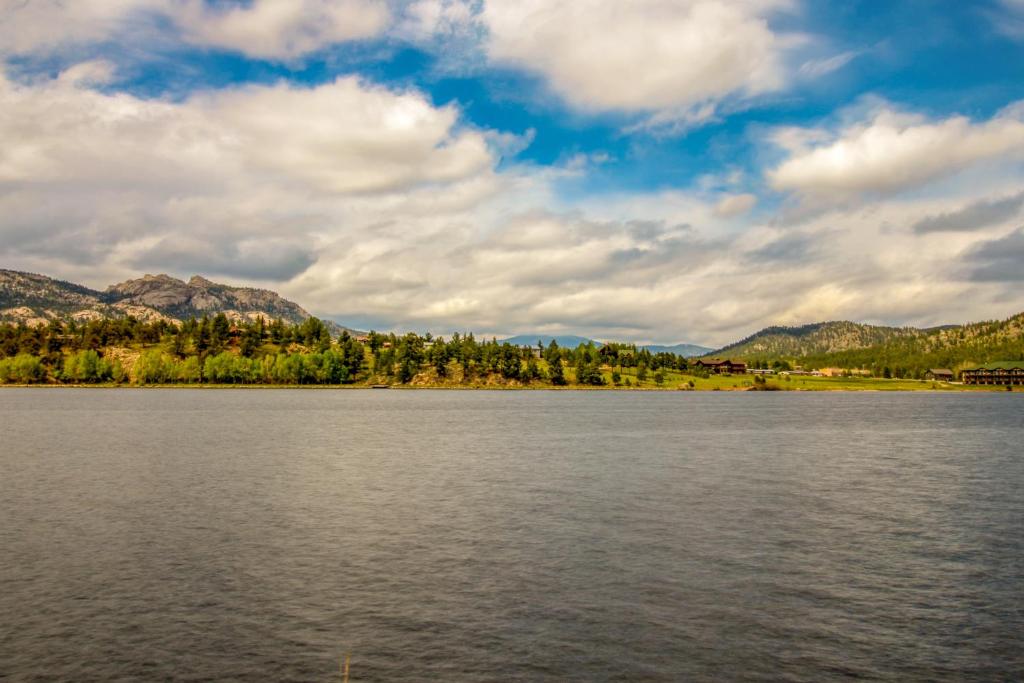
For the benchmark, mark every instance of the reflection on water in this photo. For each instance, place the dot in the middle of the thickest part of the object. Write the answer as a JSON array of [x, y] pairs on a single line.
[[502, 536]]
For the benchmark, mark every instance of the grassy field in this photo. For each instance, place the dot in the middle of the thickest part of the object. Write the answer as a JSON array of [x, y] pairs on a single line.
[[675, 380]]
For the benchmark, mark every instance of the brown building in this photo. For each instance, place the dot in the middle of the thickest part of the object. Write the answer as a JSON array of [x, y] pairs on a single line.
[[940, 375], [722, 367], [1010, 372]]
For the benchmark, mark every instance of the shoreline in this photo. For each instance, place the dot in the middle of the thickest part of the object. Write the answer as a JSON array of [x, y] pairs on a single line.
[[365, 387]]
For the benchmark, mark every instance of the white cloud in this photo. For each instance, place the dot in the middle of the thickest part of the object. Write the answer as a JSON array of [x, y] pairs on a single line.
[[735, 205], [892, 151], [343, 137], [274, 29], [115, 181], [45, 25], [269, 29], [426, 20], [1008, 18], [373, 205], [640, 56]]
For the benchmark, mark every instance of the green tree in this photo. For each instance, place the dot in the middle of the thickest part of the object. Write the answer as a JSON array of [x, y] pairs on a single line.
[[220, 330], [22, 369], [556, 372], [154, 367], [588, 372]]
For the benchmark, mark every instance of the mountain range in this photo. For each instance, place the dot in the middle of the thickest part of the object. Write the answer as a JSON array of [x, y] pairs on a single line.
[[571, 341], [845, 344], [34, 299]]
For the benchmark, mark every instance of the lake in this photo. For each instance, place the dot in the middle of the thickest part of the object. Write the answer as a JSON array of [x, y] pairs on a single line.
[[510, 536]]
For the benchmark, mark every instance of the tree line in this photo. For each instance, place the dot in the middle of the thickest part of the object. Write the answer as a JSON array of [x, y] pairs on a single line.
[[217, 350]]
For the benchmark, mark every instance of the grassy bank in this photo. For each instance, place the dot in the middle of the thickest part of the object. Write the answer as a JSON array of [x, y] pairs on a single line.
[[672, 382]]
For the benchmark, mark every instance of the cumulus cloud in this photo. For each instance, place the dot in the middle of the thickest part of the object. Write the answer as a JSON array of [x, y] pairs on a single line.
[[111, 178], [268, 29], [975, 216], [640, 56], [374, 207], [354, 137], [892, 151], [45, 25], [273, 29]]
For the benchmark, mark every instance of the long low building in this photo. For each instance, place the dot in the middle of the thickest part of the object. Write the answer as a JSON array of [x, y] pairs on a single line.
[[1010, 372], [940, 374], [722, 366]]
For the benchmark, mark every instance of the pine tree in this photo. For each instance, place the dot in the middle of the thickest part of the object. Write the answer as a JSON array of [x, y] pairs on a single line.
[[557, 373]]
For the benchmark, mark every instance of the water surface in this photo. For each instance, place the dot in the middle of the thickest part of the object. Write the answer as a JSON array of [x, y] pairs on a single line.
[[510, 536]]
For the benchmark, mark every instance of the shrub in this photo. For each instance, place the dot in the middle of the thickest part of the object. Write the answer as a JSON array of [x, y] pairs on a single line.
[[88, 366], [154, 367], [22, 369]]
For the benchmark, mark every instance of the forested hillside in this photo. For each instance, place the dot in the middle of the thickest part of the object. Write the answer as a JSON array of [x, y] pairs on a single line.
[[816, 338], [218, 351], [900, 352]]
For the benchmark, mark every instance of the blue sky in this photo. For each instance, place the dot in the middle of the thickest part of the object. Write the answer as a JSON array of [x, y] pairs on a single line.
[[658, 171]]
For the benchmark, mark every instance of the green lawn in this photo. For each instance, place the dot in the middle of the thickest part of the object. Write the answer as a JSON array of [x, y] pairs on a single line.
[[676, 380]]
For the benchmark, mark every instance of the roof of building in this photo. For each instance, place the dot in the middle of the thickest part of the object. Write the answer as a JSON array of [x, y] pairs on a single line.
[[1000, 365], [940, 371]]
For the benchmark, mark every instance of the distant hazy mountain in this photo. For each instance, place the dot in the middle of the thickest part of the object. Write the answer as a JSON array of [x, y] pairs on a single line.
[[688, 350], [30, 298], [570, 341]]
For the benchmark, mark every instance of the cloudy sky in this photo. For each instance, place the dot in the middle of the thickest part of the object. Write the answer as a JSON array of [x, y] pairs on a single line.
[[651, 170]]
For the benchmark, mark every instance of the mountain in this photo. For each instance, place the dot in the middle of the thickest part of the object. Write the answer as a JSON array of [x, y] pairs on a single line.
[[688, 350], [572, 341], [907, 351], [34, 299], [826, 337], [199, 297], [569, 341]]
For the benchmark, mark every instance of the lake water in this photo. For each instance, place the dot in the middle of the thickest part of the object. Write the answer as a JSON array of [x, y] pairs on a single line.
[[510, 536]]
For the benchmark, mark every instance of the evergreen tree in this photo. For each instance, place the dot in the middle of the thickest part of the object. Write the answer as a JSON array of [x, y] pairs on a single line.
[[556, 372], [220, 330]]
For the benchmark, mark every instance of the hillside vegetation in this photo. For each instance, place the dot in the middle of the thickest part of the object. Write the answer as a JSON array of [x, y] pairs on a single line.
[[901, 352], [171, 314]]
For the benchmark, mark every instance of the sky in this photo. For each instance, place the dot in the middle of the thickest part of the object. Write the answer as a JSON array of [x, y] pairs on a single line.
[[656, 171]]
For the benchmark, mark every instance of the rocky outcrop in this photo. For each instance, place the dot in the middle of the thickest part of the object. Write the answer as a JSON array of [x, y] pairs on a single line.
[[31, 298], [199, 297]]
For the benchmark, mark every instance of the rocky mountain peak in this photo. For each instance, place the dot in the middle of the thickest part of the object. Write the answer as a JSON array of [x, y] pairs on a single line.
[[200, 281], [30, 297]]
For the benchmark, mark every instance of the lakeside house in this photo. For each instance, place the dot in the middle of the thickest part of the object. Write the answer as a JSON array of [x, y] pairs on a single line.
[[1008, 372], [719, 366], [940, 375]]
